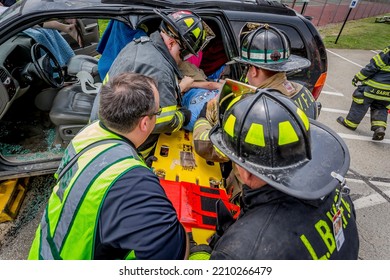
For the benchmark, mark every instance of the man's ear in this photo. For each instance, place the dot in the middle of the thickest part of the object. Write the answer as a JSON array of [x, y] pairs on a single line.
[[253, 72], [171, 43], [143, 124]]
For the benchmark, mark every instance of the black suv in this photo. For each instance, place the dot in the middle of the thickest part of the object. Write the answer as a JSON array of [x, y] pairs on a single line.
[[36, 123]]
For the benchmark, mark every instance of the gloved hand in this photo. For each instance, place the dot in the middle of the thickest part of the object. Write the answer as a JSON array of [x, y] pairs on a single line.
[[355, 80], [198, 251], [202, 113], [149, 160], [212, 111], [187, 115]]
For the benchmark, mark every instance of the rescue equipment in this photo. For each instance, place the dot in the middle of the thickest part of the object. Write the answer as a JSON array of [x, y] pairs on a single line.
[[196, 207], [177, 161], [12, 193], [191, 183]]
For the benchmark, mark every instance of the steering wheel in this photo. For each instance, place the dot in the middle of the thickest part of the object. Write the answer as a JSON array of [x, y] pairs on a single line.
[[47, 65]]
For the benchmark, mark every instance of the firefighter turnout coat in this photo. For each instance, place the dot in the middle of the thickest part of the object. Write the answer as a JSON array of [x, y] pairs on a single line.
[[374, 92], [275, 226], [150, 56]]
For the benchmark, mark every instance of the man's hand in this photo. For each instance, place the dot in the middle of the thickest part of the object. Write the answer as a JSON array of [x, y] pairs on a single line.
[[186, 84]]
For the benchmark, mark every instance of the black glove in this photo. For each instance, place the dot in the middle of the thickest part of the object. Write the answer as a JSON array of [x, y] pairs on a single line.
[[202, 113], [224, 221], [187, 115], [149, 160], [355, 80]]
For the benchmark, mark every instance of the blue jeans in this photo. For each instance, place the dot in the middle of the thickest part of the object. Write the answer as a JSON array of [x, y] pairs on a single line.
[[194, 100]]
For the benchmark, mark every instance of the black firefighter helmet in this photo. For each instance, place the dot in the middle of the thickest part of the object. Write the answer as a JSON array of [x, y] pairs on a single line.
[[267, 47], [269, 136], [187, 27]]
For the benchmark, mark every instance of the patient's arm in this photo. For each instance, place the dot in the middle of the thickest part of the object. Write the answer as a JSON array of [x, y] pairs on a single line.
[[206, 85]]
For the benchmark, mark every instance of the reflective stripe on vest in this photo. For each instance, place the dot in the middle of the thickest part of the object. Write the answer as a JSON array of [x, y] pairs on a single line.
[[70, 221]]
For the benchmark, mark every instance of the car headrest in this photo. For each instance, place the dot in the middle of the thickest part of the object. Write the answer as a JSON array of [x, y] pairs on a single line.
[[82, 63]]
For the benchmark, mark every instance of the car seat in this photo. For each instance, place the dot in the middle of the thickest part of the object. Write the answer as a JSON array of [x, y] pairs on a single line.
[[73, 104]]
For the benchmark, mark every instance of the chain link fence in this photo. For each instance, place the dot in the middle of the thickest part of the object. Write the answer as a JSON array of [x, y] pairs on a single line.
[[322, 12]]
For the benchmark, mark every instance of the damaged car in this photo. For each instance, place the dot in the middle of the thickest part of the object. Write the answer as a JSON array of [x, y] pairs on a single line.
[[49, 79]]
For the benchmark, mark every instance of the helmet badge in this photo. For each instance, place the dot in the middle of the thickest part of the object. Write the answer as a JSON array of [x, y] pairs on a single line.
[[276, 55]]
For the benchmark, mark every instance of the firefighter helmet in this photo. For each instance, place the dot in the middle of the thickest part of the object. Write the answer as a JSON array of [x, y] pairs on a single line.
[[269, 136], [269, 48], [187, 27]]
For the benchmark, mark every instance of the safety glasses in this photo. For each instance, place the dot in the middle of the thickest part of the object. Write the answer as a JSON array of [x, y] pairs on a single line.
[[157, 113]]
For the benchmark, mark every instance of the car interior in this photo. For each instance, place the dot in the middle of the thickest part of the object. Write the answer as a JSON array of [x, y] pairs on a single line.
[[44, 103]]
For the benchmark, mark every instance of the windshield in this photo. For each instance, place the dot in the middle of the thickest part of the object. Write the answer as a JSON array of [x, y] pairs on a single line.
[[7, 13]]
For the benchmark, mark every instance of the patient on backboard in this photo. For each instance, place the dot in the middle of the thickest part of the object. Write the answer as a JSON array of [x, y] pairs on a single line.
[[196, 89]]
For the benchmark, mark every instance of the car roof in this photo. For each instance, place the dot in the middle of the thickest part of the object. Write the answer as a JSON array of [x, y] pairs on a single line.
[[269, 6], [31, 10]]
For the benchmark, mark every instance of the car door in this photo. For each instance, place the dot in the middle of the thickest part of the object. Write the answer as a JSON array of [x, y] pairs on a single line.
[[29, 143]]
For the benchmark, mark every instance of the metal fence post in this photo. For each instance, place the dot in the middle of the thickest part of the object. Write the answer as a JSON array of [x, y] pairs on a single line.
[[323, 8], [365, 8], [293, 4], [337, 9], [370, 13]]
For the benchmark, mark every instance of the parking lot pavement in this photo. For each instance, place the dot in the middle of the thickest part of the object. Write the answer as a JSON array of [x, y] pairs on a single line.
[[369, 177]]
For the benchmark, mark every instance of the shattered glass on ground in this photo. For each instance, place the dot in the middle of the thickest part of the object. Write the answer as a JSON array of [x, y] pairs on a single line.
[[16, 236]]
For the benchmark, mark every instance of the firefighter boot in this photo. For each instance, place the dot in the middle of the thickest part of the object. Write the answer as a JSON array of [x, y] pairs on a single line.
[[379, 134], [341, 121]]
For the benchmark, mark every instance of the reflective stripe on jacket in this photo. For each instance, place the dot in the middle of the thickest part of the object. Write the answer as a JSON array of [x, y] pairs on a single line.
[[376, 74], [202, 142], [69, 224], [275, 226]]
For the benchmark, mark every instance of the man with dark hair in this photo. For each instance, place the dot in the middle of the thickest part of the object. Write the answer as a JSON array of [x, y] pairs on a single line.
[[107, 204]]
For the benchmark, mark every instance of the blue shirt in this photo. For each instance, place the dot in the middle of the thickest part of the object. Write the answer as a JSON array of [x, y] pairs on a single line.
[[137, 215]]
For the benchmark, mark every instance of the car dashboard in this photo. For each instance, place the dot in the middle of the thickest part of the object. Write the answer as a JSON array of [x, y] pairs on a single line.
[[14, 56]]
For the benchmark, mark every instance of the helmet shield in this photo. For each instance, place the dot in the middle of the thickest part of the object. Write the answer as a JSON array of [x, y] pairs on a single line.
[[232, 90], [267, 47], [266, 134]]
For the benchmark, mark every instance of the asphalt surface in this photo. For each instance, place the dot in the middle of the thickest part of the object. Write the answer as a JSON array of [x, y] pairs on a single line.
[[368, 179]]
